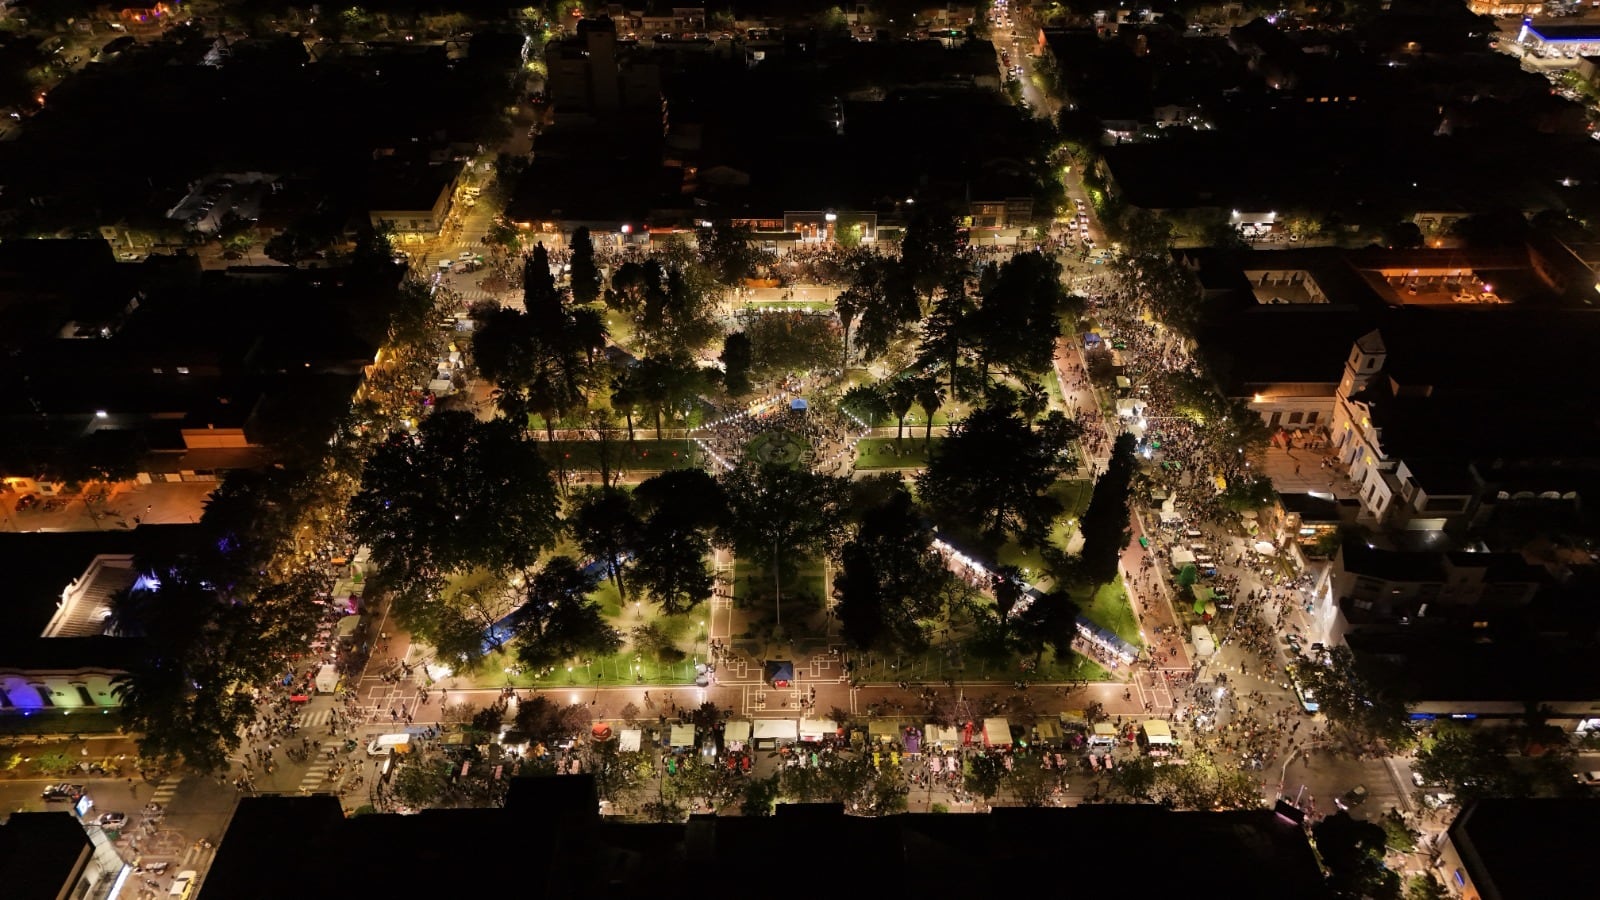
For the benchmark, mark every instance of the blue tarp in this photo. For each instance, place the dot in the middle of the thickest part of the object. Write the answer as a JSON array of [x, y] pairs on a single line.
[[799, 403]]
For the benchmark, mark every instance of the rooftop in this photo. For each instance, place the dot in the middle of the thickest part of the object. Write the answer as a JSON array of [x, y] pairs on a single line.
[[42, 855], [1255, 853], [40, 565], [1510, 846]]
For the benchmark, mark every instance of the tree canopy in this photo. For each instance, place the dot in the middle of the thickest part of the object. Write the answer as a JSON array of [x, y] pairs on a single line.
[[992, 469], [459, 493]]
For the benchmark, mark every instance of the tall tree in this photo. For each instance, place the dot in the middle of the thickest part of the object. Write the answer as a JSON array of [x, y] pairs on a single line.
[[681, 509], [668, 386], [457, 494], [729, 252], [586, 281], [736, 358], [992, 469], [901, 395], [779, 510], [930, 251], [1105, 522], [930, 397], [1362, 699], [606, 527], [1019, 321], [867, 403], [889, 578], [946, 332], [557, 619]]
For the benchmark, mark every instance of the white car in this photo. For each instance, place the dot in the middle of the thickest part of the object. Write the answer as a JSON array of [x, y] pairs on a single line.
[[183, 884]]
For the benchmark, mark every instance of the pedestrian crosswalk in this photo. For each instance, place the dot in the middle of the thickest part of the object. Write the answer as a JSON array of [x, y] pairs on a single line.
[[315, 718], [165, 791], [313, 778]]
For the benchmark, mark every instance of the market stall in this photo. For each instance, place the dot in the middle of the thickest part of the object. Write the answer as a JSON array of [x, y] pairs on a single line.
[[681, 737], [940, 737], [882, 731], [735, 734], [770, 733], [996, 733], [818, 729]]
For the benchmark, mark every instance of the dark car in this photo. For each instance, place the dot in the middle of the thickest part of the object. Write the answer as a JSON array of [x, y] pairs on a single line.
[[27, 501], [1353, 797], [66, 792]]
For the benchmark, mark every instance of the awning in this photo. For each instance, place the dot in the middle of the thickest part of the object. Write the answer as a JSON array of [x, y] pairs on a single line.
[[775, 729], [1181, 556], [736, 731], [1123, 382], [348, 626], [996, 733], [682, 736], [817, 729], [1105, 729], [1047, 731], [1157, 732], [628, 740], [882, 731], [944, 736]]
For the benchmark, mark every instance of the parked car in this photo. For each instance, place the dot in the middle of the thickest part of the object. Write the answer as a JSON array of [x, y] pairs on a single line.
[[112, 820], [1588, 779], [183, 884]]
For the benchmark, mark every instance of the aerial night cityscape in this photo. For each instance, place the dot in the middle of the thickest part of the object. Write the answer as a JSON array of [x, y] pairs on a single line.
[[1023, 446]]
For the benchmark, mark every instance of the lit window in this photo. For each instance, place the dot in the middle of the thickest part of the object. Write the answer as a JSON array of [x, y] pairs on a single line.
[[183, 370], [156, 370]]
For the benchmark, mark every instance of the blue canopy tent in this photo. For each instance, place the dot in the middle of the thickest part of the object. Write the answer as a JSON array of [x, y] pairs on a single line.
[[778, 672]]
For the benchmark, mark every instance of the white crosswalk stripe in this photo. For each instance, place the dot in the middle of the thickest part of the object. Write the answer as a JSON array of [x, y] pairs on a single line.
[[314, 718], [313, 778], [165, 791]]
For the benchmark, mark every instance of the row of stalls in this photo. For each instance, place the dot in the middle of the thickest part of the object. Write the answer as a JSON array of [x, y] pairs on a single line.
[[995, 733]]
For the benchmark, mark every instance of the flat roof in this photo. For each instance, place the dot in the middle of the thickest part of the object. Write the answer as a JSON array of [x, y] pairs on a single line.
[[40, 565], [41, 854], [1510, 846]]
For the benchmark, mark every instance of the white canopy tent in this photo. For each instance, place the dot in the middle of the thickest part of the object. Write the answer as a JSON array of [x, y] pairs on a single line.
[[996, 733], [682, 736], [736, 733], [942, 737], [775, 730], [817, 729], [628, 741]]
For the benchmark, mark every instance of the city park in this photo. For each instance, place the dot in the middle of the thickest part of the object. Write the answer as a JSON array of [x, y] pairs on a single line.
[[894, 477]]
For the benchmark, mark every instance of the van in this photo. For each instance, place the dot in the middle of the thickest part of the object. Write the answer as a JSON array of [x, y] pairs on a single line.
[[388, 744]]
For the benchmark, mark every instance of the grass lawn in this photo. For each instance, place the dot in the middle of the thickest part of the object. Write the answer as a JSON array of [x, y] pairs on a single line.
[[750, 579], [1109, 609], [1074, 496], [500, 668], [641, 455], [879, 453]]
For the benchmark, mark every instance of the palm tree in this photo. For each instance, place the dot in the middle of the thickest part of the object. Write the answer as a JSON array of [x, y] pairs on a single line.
[[1033, 401], [625, 398], [867, 402], [930, 396], [900, 395]]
